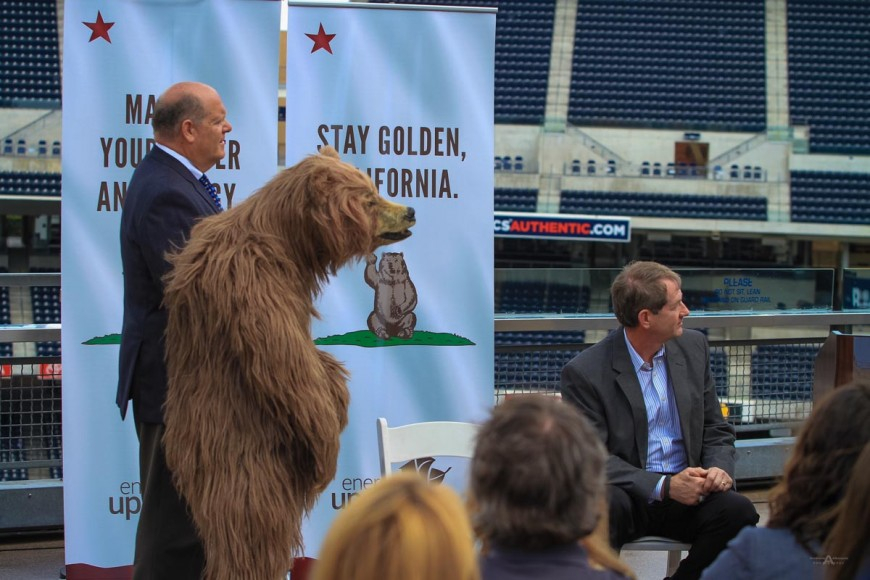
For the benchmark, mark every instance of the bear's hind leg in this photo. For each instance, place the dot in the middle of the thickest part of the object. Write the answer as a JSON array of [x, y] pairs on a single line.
[[377, 326], [406, 326]]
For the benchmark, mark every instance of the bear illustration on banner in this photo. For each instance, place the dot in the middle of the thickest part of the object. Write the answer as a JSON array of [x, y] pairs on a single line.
[[395, 296]]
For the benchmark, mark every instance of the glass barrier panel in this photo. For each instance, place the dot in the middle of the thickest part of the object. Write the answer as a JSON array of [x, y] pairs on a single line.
[[572, 291], [856, 289]]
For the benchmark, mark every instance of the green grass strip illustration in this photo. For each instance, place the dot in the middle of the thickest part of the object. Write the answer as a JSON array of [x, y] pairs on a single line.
[[363, 338]]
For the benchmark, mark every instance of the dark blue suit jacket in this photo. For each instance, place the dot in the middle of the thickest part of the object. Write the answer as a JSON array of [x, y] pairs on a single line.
[[162, 203]]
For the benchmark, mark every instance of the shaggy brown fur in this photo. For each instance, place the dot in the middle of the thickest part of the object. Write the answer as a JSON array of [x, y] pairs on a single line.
[[254, 411]]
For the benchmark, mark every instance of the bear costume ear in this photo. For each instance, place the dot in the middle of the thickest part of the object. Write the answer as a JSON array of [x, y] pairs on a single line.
[[329, 151]]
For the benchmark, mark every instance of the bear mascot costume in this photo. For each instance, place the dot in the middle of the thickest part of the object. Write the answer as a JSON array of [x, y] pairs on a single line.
[[254, 410]]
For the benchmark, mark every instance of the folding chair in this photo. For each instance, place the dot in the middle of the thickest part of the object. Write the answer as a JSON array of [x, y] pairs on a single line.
[[456, 439], [426, 439], [674, 549]]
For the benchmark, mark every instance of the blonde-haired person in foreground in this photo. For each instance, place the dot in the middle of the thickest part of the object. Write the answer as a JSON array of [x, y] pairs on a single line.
[[537, 494], [401, 528]]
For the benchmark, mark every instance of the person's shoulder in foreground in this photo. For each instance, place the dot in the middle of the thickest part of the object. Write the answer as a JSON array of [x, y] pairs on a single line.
[[764, 554], [566, 562], [809, 504]]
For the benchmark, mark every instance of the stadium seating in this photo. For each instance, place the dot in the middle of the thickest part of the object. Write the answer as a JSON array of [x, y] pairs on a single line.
[[828, 68], [719, 369], [669, 64], [538, 338], [518, 369], [11, 451], [46, 310], [783, 372], [30, 67], [529, 297], [29, 183], [697, 300], [516, 199], [830, 197], [508, 163], [521, 297], [5, 318], [668, 205]]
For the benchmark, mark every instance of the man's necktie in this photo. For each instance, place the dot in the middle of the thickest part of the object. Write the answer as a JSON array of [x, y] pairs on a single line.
[[212, 191]]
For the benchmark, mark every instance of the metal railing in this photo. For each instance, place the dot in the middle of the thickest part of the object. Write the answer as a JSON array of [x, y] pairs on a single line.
[[30, 419], [765, 383], [31, 461], [761, 392]]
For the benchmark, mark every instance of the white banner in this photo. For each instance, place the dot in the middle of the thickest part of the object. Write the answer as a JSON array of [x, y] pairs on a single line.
[[405, 93], [119, 55]]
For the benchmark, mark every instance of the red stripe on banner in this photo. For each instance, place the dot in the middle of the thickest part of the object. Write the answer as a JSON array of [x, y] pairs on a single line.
[[6, 370], [302, 568], [88, 572]]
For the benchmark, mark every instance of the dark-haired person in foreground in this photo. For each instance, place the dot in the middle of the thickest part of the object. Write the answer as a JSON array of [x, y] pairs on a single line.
[[648, 391], [809, 508], [536, 495]]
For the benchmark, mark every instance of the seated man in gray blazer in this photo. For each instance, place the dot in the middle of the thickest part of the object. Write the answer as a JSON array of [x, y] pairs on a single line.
[[648, 391]]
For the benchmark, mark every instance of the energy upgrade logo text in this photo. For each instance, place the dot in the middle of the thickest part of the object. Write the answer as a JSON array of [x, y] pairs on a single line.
[[562, 227]]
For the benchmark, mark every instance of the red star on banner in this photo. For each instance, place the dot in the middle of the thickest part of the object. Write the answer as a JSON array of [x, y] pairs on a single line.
[[321, 40], [99, 29]]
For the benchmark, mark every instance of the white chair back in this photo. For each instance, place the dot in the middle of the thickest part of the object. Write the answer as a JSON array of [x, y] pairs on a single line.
[[426, 439]]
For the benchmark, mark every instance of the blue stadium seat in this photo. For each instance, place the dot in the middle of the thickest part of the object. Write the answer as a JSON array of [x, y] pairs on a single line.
[[524, 200], [30, 67], [783, 372], [5, 318], [30, 183], [828, 67], [45, 304], [652, 64], [664, 205], [830, 197]]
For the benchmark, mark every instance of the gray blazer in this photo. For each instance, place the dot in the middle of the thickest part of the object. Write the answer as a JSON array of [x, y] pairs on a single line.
[[602, 382]]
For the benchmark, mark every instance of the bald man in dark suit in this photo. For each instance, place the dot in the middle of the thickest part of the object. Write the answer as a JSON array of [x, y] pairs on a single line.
[[649, 392], [165, 198]]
